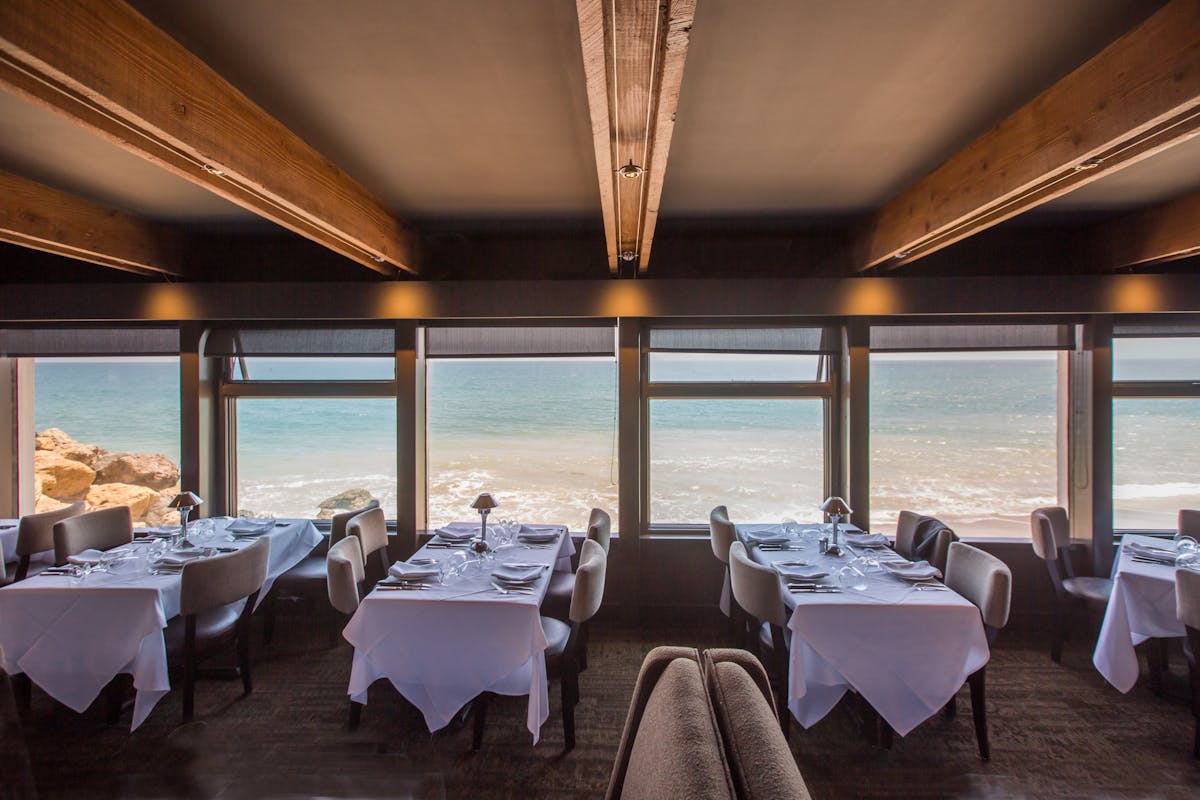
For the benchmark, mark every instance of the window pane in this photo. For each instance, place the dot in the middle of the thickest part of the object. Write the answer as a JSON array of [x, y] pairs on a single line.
[[311, 457], [764, 459], [108, 434], [1173, 359], [724, 368], [539, 434], [1156, 461], [969, 439], [313, 369]]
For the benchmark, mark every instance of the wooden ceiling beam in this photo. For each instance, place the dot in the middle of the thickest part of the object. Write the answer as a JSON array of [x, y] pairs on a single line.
[[37, 216], [1137, 97], [1165, 232], [633, 56], [104, 66]]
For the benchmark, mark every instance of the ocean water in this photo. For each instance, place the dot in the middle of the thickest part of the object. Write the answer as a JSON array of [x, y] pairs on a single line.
[[972, 441]]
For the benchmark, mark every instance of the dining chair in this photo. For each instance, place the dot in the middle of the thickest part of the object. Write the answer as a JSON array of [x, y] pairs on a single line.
[[1189, 522], [722, 534], [102, 530], [216, 599], [987, 582], [1187, 609], [307, 580], [756, 591], [1052, 544], [371, 529], [345, 574], [563, 640], [562, 584], [35, 534], [919, 536]]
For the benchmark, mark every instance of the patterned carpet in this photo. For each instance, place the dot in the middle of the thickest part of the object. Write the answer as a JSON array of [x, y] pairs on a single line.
[[1057, 732]]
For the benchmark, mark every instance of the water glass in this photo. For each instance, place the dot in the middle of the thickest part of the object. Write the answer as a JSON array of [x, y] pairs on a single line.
[[1185, 544], [853, 577]]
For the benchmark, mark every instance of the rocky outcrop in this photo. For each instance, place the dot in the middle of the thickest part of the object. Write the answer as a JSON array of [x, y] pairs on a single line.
[[344, 501], [140, 499], [138, 469], [61, 442], [62, 478]]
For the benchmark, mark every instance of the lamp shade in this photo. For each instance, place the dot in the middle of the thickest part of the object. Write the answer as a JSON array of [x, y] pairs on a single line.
[[484, 500], [835, 505], [184, 500]]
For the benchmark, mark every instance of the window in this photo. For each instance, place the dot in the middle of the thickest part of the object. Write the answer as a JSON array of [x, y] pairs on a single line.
[[535, 425], [1156, 430], [736, 416]]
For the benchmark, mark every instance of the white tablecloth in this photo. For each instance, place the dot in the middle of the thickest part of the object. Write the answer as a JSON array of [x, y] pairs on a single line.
[[443, 646], [907, 652], [72, 636], [1142, 606]]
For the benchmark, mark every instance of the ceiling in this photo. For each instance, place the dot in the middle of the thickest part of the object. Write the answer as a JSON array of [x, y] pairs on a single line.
[[471, 115]]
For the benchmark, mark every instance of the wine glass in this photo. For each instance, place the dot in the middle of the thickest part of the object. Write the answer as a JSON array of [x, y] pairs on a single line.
[[852, 576]]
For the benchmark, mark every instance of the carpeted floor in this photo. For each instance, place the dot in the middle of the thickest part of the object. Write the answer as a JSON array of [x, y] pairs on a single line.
[[1057, 732]]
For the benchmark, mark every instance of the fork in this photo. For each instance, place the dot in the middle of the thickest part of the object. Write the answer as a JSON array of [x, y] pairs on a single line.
[[504, 590]]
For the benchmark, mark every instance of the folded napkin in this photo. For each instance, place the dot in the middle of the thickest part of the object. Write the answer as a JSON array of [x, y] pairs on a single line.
[[800, 572], [181, 558], [865, 539], [458, 531], [84, 557], [1163, 555], [912, 570], [250, 525], [403, 571], [772, 535], [535, 536], [511, 573]]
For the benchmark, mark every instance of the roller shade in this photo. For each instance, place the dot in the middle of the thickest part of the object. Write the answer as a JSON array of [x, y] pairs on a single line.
[[307, 341], [929, 338], [810, 341], [1157, 329], [62, 342], [515, 342]]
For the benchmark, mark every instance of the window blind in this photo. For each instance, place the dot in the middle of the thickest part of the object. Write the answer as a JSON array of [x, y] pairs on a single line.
[[810, 341], [929, 338], [307, 341], [81, 341], [520, 341]]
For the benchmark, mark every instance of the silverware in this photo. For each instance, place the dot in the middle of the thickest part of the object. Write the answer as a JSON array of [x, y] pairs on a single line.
[[930, 587], [507, 590], [814, 590], [446, 546], [399, 587]]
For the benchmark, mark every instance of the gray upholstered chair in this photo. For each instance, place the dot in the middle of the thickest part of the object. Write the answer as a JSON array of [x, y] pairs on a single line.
[[344, 571], [906, 532], [562, 584], [216, 599], [1052, 543], [722, 534], [987, 582], [35, 534], [563, 640], [371, 529], [1189, 522], [1187, 609], [923, 537], [102, 530], [307, 580], [757, 592]]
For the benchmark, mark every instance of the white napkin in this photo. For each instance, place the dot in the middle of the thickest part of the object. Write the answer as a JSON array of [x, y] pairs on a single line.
[[534, 536], [403, 571], [510, 573], [179, 559], [767, 536], [865, 539], [805, 572], [912, 570], [84, 557], [248, 525], [458, 531]]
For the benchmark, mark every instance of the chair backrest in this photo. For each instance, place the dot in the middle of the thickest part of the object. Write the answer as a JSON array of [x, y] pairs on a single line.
[[1187, 597], [337, 523], [983, 579], [343, 573], [371, 529], [756, 587], [210, 583], [600, 528], [103, 529], [588, 593], [941, 546], [721, 532], [1050, 531], [35, 532], [906, 531], [1189, 522]]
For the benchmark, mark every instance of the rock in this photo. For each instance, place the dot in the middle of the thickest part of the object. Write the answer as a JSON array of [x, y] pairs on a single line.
[[62, 478], [150, 470], [139, 498], [47, 503], [59, 441], [349, 499], [158, 513]]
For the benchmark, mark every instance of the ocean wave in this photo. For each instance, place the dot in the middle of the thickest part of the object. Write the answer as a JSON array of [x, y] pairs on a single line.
[[1143, 491]]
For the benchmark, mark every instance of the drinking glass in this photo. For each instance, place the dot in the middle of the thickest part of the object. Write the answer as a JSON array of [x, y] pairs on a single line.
[[852, 576]]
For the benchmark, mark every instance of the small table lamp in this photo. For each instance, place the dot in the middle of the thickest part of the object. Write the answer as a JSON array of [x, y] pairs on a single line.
[[836, 508], [484, 503], [185, 502]]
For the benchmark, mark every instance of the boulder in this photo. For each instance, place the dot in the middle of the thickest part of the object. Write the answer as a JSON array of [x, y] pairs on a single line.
[[62, 478], [47, 503], [344, 501], [151, 470], [59, 441], [158, 513], [140, 499]]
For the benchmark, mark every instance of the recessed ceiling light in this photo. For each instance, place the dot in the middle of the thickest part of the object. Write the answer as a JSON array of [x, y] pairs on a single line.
[[631, 170]]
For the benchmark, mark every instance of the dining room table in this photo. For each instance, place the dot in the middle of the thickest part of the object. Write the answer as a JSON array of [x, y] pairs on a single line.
[[906, 646], [444, 641], [1141, 607], [72, 631]]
